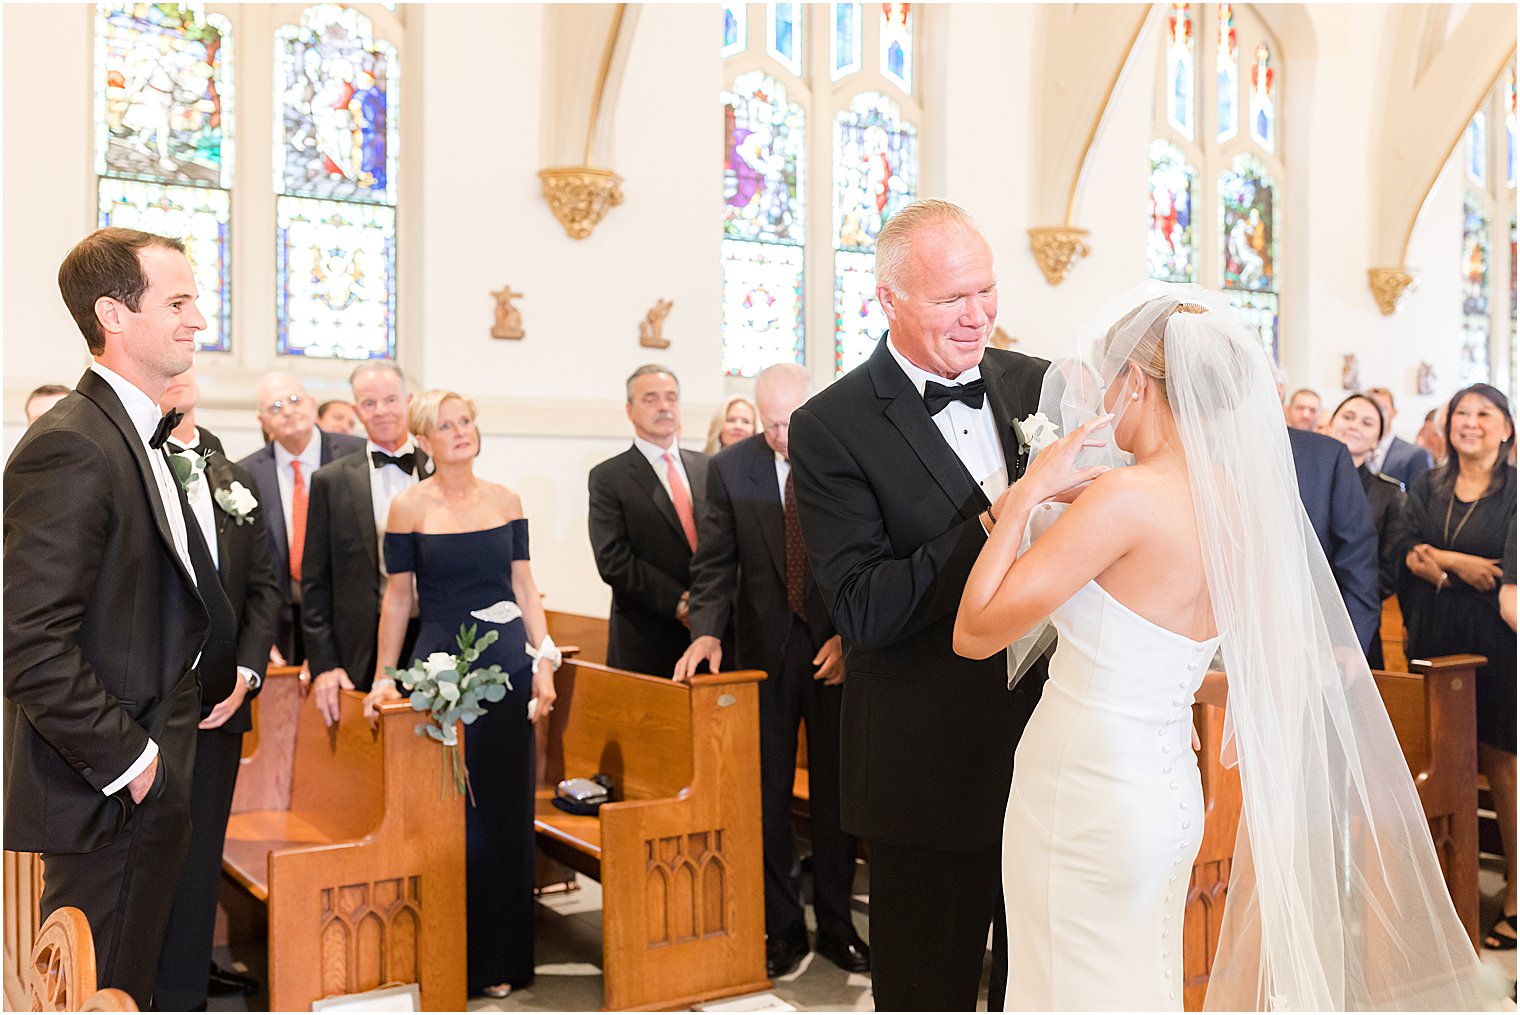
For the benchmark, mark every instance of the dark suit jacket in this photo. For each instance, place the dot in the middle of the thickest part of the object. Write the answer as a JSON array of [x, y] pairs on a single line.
[[1337, 508], [341, 587], [102, 622], [1406, 462], [247, 576], [1395, 528], [889, 515], [641, 551], [739, 569], [266, 474]]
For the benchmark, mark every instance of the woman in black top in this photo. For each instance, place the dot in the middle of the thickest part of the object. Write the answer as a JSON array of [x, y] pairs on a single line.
[[1358, 423], [1463, 512]]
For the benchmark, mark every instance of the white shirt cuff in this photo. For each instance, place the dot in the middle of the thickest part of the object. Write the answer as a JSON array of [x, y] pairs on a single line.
[[138, 767], [249, 678]]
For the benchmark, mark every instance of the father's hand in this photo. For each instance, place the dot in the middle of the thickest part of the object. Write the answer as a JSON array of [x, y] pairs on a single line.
[[705, 649], [139, 786]]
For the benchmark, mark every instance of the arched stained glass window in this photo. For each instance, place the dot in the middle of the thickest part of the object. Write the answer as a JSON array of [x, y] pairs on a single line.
[[844, 41], [1489, 350], [1170, 250], [1215, 198], [1476, 146], [1181, 69], [1476, 332], [735, 29], [875, 173], [1227, 74], [336, 89], [163, 139], [1510, 126], [783, 34], [897, 44]]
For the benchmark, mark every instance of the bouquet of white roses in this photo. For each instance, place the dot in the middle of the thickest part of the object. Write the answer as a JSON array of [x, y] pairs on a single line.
[[449, 691]]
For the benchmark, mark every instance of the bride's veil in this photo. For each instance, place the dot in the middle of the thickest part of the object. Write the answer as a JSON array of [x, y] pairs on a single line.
[[1336, 899]]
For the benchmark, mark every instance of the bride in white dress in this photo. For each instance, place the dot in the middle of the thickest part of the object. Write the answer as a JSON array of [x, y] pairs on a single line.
[[1336, 900]]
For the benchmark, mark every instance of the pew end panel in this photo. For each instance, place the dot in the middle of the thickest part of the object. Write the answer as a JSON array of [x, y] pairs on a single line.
[[587, 634]]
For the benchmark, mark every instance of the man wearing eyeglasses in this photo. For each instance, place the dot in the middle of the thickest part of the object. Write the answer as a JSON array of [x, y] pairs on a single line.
[[283, 470]]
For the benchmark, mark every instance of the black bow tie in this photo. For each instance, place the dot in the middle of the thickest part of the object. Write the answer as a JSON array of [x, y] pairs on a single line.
[[165, 428], [407, 462], [937, 396]]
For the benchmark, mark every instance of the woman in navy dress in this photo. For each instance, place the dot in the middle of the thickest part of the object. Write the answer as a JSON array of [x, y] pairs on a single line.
[[466, 542]]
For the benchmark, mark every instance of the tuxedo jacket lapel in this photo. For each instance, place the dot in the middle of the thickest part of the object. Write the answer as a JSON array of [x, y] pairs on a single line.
[[905, 408], [219, 476], [1005, 408], [765, 496]]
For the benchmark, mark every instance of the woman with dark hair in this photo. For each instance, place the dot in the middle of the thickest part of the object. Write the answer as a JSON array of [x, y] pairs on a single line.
[[1359, 424], [1462, 512]]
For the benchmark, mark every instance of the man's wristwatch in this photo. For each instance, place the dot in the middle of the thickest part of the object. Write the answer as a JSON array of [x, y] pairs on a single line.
[[250, 679]]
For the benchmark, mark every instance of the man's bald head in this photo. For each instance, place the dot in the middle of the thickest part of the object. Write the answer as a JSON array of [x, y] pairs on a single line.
[[286, 411], [779, 391]]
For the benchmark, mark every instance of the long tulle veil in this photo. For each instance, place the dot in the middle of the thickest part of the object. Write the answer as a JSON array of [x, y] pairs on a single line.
[[1336, 899]]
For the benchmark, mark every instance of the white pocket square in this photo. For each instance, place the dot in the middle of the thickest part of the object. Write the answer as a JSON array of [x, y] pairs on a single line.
[[498, 613]]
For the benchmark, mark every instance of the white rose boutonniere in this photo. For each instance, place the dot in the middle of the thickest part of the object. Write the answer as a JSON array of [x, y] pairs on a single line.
[[238, 501], [1036, 432]]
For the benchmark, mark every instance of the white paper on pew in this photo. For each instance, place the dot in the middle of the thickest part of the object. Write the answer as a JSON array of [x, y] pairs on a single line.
[[750, 1002], [401, 997]]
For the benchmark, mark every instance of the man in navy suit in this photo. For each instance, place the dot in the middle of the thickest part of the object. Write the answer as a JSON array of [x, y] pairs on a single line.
[[1337, 507], [1395, 456], [283, 469]]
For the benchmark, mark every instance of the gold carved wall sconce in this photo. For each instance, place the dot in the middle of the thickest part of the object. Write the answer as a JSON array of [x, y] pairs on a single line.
[[581, 196], [652, 326], [1001, 339], [508, 317]]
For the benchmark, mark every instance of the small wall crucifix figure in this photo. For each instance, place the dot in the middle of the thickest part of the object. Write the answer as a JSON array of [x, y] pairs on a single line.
[[1351, 373], [508, 317], [653, 323]]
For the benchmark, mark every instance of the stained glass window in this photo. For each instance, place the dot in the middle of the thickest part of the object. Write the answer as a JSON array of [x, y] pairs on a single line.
[[844, 49], [1227, 74], [1180, 99], [875, 173], [1514, 330], [1476, 149], [1510, 125], [1247, 226], [1171, 253], [763, 225], [783, 34], [336, 274], [735, 29], [1259, 313], [897, 45], [1263, 100], [163, 139], [1475, 290]]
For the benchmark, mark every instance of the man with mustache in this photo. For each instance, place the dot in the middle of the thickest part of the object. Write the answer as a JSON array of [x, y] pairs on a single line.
[[643, 521]]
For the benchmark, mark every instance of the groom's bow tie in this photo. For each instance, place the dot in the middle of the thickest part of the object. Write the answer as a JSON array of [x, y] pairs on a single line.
[[165, 427], [937, 396], [407, 462]]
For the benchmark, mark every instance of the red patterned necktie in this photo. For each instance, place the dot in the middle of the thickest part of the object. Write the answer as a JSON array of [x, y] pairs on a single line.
[[681, 499], [297, 519], [796, 554]]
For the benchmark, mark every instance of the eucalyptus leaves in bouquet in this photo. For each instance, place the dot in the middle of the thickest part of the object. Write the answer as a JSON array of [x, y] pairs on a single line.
[[449, 690]]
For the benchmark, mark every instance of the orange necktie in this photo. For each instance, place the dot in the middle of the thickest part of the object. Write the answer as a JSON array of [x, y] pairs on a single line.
[[681, 499], [297, 520]]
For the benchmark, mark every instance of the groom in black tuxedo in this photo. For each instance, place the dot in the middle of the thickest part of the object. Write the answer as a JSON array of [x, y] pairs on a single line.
[[110, 595], [895, 468]]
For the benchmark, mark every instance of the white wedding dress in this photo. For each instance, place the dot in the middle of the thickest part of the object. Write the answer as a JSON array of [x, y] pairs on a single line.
[[1105, 816]]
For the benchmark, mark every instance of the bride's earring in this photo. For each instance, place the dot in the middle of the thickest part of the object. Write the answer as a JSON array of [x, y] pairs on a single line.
[[1134, 396]]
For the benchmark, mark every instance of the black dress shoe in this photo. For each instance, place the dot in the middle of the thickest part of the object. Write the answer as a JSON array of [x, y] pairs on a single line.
[[785, 952], [224, 982], [848, 953]]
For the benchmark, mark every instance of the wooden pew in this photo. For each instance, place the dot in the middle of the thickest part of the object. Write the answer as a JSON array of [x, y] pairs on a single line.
[[678, 851], [61, 969], [23, 894], [1433, 713], [354, 847], [587, 634]]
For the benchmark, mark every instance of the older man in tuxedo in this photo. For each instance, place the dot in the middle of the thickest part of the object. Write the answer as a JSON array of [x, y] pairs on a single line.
[[283, 470], [895, 466], [644, 505], [110, 595], [750, 566], [225, 509], [343, 574]]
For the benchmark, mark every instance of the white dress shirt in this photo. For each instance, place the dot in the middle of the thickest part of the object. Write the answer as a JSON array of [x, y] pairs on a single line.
[[656, 456], [385, 484], [199, 496], [783, 469], [971, 433], [1380, 453], [145, 415]]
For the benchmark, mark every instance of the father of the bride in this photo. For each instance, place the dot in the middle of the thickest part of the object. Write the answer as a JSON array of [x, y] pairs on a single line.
[[896, 467]]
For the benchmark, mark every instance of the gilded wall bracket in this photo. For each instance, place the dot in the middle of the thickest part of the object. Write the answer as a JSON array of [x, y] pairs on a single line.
[[1057, 248], [1388, 287], [581, 196]]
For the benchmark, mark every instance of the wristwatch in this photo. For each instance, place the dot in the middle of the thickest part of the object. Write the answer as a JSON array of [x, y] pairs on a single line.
[[250, 678]]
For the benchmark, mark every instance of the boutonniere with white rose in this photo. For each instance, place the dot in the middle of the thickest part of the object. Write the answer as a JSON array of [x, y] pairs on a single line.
[[1035, 432], [237, 501]]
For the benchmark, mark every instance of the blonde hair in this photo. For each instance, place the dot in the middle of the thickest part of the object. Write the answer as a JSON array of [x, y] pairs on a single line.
[[715, 428], [894, 245], [422, 414], [1149, 353]]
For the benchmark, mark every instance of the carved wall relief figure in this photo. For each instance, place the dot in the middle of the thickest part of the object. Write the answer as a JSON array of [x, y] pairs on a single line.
[[1425, 378], [1002, 340], [653, 324], [508, 317], [1351, 373]]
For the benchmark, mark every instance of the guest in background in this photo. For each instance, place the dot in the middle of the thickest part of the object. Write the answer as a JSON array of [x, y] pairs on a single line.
[[343, 570], [42, 399], [1302, 410], [1394, 455], [1337, 507], [643, 523], [337, 416], [232, 528], [1432, 436], [730, 424], [751, 568], [1507, 583], [466, 542], [283, 469], [1358, 423], [1464, 513]]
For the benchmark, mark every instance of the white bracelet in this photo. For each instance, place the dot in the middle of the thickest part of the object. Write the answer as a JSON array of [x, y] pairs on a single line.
[[383, 680], [546, 650]]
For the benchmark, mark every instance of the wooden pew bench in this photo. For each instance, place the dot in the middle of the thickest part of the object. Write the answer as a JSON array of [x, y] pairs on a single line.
[[1433, 713], [678, 851], [353, 846]]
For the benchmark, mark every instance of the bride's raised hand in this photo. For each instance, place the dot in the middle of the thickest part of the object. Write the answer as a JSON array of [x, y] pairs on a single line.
[[1054, 473]]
